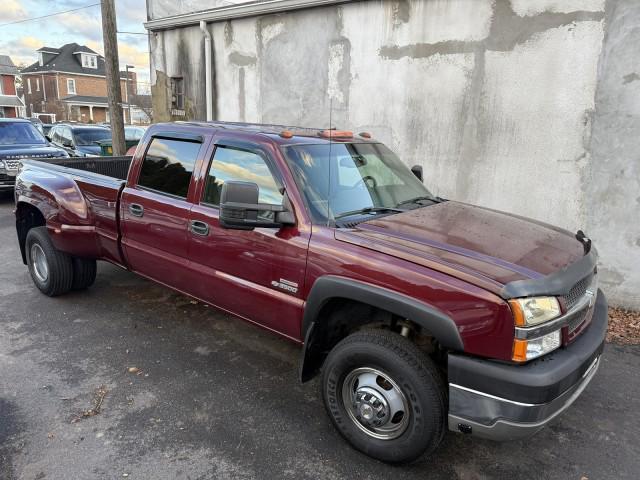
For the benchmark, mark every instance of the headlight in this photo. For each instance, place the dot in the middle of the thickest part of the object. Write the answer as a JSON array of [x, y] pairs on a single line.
[[534, 311], [525, 350], [2, 167]]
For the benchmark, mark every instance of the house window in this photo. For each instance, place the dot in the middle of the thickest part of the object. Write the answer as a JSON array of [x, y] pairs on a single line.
[[89, 61], [71, 86], [177, 93], [37, 84], [29, 85]]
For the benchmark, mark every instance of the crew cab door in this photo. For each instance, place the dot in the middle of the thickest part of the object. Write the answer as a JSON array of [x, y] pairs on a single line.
[[255, 274], [155, 208]]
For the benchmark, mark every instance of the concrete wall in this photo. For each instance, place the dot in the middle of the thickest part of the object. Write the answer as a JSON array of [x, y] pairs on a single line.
[[495, 99], [613, 183]]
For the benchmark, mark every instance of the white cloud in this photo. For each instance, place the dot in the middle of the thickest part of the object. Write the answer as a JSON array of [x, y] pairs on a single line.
[[11, 10]]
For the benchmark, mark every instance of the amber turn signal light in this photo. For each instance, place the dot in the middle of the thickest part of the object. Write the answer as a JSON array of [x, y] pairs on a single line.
[[518, 314], [336, 134], [519, 350]]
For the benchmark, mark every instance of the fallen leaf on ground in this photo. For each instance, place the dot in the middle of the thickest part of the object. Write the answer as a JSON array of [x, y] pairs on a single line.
[[624, 326], [98, 398]]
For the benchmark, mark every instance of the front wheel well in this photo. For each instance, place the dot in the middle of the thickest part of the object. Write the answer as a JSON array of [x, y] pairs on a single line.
[[342, 317], [27, 217]]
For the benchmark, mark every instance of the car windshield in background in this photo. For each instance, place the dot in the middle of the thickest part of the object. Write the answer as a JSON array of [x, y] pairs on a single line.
[[133, 133], [90, 136], [20, 133], [360, 177]]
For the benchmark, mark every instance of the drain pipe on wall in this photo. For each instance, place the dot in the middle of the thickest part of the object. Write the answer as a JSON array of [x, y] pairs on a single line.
[[207, 63]]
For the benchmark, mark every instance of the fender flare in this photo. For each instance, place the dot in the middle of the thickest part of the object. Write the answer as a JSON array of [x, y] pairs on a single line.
[[326, 288]]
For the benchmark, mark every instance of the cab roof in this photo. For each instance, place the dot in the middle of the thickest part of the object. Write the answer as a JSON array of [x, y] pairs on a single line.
[[13, 120], [287, 134]]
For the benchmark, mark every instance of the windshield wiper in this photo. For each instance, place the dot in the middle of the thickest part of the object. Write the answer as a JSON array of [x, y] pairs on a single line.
[[417, 200], [369, 210]]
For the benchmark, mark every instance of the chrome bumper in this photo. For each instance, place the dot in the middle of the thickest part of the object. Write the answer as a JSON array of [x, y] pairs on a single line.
[[530, 417]]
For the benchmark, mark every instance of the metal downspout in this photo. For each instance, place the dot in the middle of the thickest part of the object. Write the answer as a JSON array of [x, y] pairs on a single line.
[[207, 63]]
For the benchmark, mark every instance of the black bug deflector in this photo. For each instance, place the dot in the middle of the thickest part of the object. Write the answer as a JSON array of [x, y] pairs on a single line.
[[557, 283]]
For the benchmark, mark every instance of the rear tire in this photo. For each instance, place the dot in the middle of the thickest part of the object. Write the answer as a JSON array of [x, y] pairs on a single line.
[[385, 396], [84, 273], [51, 270]]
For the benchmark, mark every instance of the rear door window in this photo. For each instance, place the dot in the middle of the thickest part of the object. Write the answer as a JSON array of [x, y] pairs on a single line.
[[168, 165]]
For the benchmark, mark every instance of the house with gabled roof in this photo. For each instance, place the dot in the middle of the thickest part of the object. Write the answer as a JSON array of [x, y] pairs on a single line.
[[10, 103], [69, 84]]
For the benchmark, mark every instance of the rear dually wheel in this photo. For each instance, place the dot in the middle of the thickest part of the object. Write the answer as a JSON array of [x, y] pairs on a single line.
[[51, 270]]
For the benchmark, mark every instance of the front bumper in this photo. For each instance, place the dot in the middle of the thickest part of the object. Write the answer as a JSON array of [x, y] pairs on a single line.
[[506, 402]]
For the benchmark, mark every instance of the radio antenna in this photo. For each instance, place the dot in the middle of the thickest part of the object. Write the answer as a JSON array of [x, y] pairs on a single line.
[[329, 211]]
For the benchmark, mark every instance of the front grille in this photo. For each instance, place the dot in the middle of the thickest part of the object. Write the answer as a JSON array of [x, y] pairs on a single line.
[[580, 319], [576, 321], [577, 291], [578, 324], [12, 164]]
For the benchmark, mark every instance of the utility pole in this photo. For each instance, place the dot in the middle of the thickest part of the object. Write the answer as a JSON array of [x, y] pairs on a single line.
[[112, 67]]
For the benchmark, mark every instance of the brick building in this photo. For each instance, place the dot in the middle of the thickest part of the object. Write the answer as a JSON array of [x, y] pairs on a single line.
[[10, 103], [69, 84]]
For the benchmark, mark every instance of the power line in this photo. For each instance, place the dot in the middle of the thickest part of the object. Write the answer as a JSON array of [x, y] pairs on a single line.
[[134, 33], [49, 15]]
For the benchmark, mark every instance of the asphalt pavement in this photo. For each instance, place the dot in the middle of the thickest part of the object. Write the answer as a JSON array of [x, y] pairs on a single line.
[[211, 397]]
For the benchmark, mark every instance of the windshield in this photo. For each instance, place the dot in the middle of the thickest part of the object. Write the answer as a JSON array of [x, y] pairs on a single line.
[[20, 133], [90, 136], [359, 176], [133, 133]]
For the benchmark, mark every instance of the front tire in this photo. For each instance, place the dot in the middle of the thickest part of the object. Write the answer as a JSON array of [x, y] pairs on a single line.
[[51, 270], [384, 396]]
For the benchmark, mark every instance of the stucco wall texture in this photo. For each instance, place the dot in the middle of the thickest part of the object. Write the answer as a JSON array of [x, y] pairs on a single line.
[[531, 107]]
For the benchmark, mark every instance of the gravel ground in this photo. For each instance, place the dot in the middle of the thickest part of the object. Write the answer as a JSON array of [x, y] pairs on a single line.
[[129, 378]]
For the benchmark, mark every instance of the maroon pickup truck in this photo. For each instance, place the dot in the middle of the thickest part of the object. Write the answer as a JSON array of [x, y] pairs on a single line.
[[421, 313]]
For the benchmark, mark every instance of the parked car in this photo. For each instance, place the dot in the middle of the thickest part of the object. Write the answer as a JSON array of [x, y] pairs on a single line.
[[20, 139], [46, 128], [79, 140], [132, 135], [134, 132], [420, 313], [36, 123]]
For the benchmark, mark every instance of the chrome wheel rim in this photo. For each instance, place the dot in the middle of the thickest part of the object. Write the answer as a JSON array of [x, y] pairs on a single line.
[[39, 263], [375, 403]]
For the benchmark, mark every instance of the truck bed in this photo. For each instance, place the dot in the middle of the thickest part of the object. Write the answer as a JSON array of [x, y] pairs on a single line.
[[116, 167], [87, 202]]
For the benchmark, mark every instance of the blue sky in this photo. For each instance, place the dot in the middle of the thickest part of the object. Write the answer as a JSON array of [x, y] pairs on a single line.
[[20, 41]]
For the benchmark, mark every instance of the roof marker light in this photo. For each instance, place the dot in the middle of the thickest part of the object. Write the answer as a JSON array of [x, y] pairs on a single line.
[[365, 134], [336, 134], [286, 134]]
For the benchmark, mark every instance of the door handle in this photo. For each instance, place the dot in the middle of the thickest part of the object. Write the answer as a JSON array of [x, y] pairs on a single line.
[[199, 228], [136, 210]]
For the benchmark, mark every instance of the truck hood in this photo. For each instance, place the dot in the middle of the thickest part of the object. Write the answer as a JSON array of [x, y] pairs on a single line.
[[481, 246], [30, 151]]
